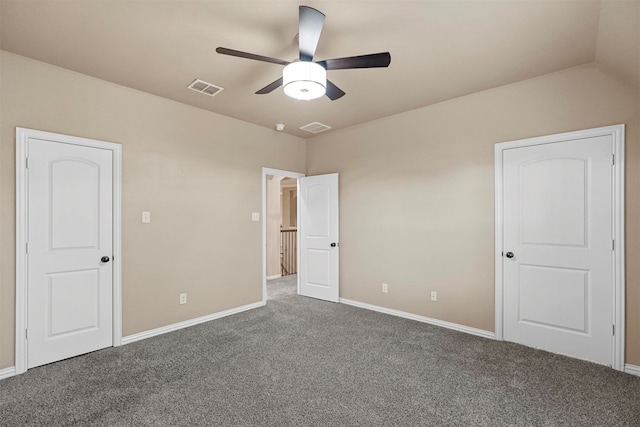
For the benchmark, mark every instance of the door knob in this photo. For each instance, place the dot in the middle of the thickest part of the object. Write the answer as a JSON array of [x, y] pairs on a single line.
[[510, 254], [105, 259], [334, 244]]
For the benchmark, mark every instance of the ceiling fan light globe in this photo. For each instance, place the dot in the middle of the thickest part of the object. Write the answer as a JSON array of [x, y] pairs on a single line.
[[304, 80]]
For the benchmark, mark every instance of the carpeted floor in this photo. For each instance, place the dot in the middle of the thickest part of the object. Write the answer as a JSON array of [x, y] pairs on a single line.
[[303, 362]]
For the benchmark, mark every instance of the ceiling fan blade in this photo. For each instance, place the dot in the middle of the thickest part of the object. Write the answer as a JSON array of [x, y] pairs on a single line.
[[333, 91], [310, 27], [373, 60], [270, 87], [240, 54]]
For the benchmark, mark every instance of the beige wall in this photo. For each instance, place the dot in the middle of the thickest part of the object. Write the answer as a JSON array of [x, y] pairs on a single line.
[[417, 192], [618, 44], [289, 207], [175, 158]]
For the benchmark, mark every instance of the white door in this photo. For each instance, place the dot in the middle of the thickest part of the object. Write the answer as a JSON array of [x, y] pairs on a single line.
[[318, 272], [557, 263], [69, 294]]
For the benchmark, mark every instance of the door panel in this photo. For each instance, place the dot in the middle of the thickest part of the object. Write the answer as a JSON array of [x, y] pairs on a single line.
[[319, 267], [550, 214], [546, 292], [74, 182], [558, 286], [73, 302], [318, 198], [318, 271], [70, 290]]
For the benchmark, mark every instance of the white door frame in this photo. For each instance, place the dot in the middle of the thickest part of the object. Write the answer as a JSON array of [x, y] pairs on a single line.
[[22, 137], [617, 134], [286, 174]]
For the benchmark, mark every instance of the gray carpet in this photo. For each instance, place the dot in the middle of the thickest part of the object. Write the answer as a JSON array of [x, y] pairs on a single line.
[[303, 362]]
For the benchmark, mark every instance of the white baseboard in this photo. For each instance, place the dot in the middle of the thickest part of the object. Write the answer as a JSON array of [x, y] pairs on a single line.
[[181, 325], [275, 276], [7, 372], [449, 325], [632, 369]]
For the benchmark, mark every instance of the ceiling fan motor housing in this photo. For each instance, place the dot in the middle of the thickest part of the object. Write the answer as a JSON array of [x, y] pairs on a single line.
[[304, 80]]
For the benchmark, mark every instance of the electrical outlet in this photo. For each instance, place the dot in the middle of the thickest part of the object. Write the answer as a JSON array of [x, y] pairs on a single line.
[[183, 298], [385, 288], [434, 296]]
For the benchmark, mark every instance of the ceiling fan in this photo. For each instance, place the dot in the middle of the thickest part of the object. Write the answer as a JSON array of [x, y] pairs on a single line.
[[306, 79]]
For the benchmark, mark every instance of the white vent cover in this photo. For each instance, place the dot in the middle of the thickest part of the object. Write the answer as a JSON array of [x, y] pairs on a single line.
[[315, 127], [205, 87]]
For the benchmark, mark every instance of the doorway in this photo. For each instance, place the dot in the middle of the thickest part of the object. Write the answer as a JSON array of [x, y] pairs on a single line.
[[560, 243], [279, 225], [68, 299], [282, 229], [318, 236]]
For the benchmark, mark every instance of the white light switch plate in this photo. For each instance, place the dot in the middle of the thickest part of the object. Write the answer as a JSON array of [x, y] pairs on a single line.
[[255, 216], [146, 217]]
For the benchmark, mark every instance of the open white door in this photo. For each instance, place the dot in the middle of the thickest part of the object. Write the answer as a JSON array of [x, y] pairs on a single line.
[[318, 270]]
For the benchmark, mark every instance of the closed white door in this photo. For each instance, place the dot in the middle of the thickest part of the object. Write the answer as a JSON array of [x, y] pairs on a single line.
[[69, 253], [557, 261], [319, 246]]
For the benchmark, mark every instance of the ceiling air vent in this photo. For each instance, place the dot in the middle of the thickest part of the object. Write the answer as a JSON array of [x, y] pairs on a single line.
[[205, 87], [315, 127]]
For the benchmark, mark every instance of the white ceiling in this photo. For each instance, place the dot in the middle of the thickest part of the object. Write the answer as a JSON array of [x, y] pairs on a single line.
[[439, 49]]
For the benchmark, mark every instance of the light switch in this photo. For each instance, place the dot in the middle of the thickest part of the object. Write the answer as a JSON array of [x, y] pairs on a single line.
[[255, 216], [146, 217]]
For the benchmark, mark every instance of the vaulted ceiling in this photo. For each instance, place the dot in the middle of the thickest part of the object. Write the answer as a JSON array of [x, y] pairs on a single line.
[[439, 49]]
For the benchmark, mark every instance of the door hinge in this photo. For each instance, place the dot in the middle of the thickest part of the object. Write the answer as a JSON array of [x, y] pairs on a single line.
[[26, 334], [613, 159], [26, 247], [613, 330], [613, 245], [26, 162]]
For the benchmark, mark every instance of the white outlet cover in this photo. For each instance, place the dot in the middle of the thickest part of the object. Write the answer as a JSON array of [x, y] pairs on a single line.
[[146, 217], [255, 216]]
